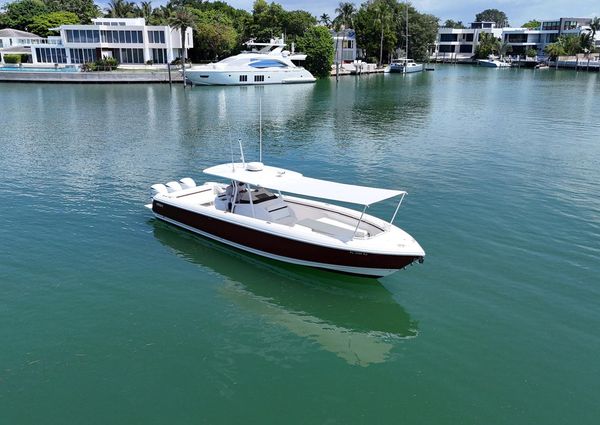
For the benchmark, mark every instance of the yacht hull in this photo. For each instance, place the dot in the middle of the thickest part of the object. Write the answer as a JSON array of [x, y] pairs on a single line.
[[409, 69], [282, 248], [212, 77]]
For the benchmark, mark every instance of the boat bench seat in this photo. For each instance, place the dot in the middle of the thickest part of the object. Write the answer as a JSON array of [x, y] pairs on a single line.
[[332, 228]]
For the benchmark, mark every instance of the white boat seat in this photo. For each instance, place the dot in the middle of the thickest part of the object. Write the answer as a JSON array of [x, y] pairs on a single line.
[[332, 228]]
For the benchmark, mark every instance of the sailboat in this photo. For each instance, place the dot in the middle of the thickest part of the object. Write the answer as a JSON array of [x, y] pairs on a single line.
[[405, 65]]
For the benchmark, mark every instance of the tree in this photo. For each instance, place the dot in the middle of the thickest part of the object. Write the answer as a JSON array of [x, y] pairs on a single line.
[[86, 10], [296, 22], [422, 34], [42, 24], [384, 16], [215, 35], [453, 24], [181, 20], [325, 20], [20, 14], [145, 10], [316, 44], [531, 52], [554, 50], [533, 24], [344, 19], [493, 15], [121, 9], [505, 48], [595, 26], [266, 21], [488, 45]]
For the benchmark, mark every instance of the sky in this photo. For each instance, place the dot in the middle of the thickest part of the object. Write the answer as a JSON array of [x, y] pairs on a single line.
[[518, 11]]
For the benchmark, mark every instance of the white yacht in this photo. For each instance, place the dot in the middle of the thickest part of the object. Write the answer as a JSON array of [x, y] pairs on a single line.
[[405, 66], [251, 213], [270, 64], [493, 62]]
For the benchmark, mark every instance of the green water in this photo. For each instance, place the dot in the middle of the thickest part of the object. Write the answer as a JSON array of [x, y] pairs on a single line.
[[110, 317]]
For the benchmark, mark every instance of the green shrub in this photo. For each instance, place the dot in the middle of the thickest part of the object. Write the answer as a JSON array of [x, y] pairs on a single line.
[[531, 53], [12, 58], [24, 57], [150, 62], [88, 67], [106, 64]]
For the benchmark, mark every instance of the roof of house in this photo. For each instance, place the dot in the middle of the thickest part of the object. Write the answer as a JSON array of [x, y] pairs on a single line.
[[17, 49], [12, 33]]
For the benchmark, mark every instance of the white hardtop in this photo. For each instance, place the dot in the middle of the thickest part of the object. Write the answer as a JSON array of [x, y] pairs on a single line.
[[293, 182]]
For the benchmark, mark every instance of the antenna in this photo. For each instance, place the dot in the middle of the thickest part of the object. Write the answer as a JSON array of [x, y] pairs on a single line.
[[242, 152], [231, 148], [260, 129]]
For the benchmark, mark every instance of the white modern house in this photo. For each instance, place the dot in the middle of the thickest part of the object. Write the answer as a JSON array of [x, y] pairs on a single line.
[[460, 44], [17, 42], [129, 40]]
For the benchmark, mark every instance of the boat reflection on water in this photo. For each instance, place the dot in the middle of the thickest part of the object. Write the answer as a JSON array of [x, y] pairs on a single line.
[[355, 318]]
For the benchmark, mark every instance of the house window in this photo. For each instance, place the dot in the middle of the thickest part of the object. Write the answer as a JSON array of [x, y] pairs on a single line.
[[466, 48], [243, 78], [259, 78], [448, 37]]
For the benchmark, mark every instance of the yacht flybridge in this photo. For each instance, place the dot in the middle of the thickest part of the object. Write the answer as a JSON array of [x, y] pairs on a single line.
[[267, 63], [252, 214]]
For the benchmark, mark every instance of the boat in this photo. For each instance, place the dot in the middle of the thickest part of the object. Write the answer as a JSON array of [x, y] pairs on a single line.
[[542, 66], [405, 66], [270, 64], [251, 213], [492, 62]]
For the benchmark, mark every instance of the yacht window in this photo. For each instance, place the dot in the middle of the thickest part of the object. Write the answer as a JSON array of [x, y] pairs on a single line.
[[259, 78], [268, 63], [243, 78]]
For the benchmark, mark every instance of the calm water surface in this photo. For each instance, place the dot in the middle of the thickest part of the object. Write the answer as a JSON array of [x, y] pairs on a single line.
[[110, 317]]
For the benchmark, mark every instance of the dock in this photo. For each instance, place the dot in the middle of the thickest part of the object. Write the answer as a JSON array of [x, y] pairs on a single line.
[[101, 77]]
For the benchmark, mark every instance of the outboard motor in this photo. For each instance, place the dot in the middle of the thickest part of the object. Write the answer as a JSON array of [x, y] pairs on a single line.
[[187, 183], [158, 188], [173, 187]]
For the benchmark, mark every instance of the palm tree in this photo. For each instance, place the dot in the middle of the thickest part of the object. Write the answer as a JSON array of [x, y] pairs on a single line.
[[120, 9], [383, 17], [344, 19], [146, 9], [325, 20], [504, 49], [488, 45], [555, 50], [595, 26], [181, 20]]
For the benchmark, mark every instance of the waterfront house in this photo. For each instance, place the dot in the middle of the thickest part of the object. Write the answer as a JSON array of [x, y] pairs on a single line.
[[129, 40], [17, 42], [460, 44], [344, 43]]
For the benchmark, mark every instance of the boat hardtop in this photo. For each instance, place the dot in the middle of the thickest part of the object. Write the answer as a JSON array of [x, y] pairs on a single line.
[[284, 180]]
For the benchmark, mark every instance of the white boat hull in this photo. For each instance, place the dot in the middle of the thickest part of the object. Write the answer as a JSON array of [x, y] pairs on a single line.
[[307, 242], [406, 70], [213, 77], [493, 63]]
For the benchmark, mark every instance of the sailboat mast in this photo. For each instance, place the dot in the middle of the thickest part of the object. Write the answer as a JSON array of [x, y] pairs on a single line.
[[406, 40]]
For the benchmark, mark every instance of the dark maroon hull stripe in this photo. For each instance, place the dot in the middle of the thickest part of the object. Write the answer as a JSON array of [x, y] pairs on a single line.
[[280, 246]]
